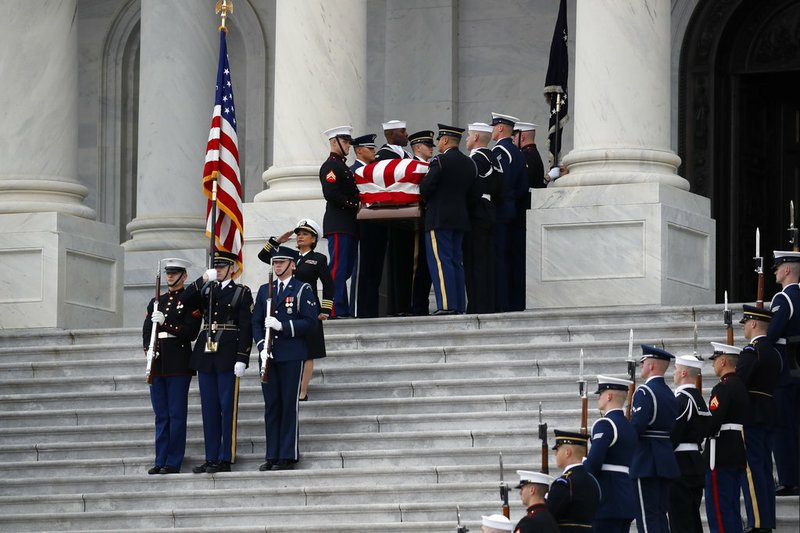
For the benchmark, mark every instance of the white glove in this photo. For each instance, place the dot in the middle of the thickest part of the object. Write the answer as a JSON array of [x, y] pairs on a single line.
[[150, 355], [211, 274], [238, 369], [273, 323], [265, 355], [157, 317], [554, 173]]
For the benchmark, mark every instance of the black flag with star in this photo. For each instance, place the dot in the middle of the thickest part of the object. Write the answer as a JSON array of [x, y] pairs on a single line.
[[555, 85]]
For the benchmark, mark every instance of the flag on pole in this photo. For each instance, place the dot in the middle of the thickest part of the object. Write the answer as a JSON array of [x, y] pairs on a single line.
[[555, 85], [222, 163]]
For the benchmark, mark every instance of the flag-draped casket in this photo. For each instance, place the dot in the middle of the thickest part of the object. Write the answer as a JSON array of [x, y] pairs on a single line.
[[390, 188]]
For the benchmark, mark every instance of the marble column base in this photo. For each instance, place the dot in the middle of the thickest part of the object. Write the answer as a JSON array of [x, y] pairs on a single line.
[[631, 244], [38, 194], [166, 231], [299, 182], [59, 271], [607, 166]]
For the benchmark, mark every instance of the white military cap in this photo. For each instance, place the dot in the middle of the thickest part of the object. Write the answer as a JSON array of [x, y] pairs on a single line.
[[499, 118], [344, 131], [308, 225], [394, 125], [525, 126], [689, 360], [724, 349], [526, 477], [173, 264], [480, 126], [497, 521], [785, 257], [609, 383]]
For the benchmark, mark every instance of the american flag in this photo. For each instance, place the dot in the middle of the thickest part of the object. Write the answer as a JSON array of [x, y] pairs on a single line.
[[391, 181], [222, 163]]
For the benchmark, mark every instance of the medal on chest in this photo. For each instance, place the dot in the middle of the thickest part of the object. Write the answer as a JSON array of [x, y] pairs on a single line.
[[290, 304]]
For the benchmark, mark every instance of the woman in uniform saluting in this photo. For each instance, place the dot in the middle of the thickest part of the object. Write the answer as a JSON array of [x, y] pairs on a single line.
[[311, 267]]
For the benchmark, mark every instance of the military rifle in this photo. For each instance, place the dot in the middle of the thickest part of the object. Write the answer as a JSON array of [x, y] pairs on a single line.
[[267, 333], [760, 271], [727, 317], [460, 529], [211, 344], [543, 438], [793, 236], [504, 491], [584, 399], [152, 349], [631, 375], [698, 381]]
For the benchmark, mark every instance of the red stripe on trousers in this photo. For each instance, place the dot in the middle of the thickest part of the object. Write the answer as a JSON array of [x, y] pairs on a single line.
[[335, 266], [715, 492]]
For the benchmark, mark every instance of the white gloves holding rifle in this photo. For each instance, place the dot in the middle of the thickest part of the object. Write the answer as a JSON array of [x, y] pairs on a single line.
[[157, 318], [265, 355], [273, 323], [239, 368], [211, 274]]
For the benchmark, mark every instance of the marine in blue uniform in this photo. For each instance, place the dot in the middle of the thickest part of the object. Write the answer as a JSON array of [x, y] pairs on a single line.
[[178, 323], [292, 319], [784, 333], [690, 431], [609, 459], [445, 189], [509, 249], [422, 146], [533, 488], [341, 207], [653, 413], [759, 368], [724, 451], [574, 496], [227, 312]]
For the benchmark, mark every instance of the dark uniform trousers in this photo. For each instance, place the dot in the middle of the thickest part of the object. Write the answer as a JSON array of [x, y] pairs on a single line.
[[691, 429], [421, 276], [219, 387], [725, 454], [296, 309], [371, 254], [446, 265], [653, 413], [169, 392]]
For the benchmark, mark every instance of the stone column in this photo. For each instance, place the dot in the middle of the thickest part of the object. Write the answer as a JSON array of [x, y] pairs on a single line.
[[61, 268], [621, 228]]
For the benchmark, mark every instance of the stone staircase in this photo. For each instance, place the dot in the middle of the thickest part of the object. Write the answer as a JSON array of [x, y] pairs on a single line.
[[406, 419]]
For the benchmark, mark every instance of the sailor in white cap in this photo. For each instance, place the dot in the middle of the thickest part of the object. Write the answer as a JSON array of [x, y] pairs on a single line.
[[496, 523], [525, 139], [688, 434], [533, 487]]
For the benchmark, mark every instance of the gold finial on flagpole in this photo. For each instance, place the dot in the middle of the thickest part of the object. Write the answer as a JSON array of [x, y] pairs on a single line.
[[223, 9]]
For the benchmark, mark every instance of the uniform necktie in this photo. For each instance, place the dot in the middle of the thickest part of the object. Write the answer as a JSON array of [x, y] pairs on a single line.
[[280, 290]]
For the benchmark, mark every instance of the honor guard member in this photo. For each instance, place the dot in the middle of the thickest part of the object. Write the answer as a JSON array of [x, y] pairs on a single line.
[[364, 148], [445, 190], [784, 333], [609, 460], [525, 139], [178, 323], [496, 523], [725, 449], [294, 318], [574, 496], [691, 429], [341, 206], [510, 250], [227, 310], [483, 204], [653, 412], [533, 488], [422, 146], [759, 368], [312, 267]]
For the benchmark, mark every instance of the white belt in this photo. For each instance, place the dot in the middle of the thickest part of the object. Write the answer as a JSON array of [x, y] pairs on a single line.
[[730, 427], [486, 197], [687, 447], [165, 335], [780, 341], [615, 468]]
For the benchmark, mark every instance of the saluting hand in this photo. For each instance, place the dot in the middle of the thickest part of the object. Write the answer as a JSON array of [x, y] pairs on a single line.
[[286, 236]]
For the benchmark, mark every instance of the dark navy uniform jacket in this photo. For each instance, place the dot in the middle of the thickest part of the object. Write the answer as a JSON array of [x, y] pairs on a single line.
[[387, 152], [341, 196], [537, 519], [653, 413], [231, 313], [573, 499], [609, 459], [181, 326], [785, 321], [446, 188], [297, 311], [759, 367], [690, 431], [515, 179], [483, 211], [534, 167], [728, 406]]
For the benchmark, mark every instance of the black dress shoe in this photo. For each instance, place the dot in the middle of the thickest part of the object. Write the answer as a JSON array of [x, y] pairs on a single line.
[[284, 464], [304, 398], [219, 466], [267, 466], [787, 491], [443, 312], [203, 468], [155, 470], [169, 470]]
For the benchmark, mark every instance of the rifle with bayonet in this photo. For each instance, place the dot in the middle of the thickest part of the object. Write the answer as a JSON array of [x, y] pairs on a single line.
[[460, 529], [211, 326], [584, 399], [631, 375], [152, 349], [698, 381], [543, 438], [504, 491], [267, 332], [760, 271], [727, 317]]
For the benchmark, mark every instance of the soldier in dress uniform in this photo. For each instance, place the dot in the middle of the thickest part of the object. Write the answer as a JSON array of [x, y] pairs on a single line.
[[533, 488], [653, 413], [575, 495], [229, 320], [759, 368], [784, 333], [364, 148], [525, 139], [510, 250], [178, 324], [339, 225], [445, 190], [312, 267], [691, 429], [724, 451], [495, 523], [483, 204], [294, 318], [422, 146], [609, 460]]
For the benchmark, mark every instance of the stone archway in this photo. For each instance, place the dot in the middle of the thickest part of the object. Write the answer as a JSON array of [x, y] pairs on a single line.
[[739, 125]]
